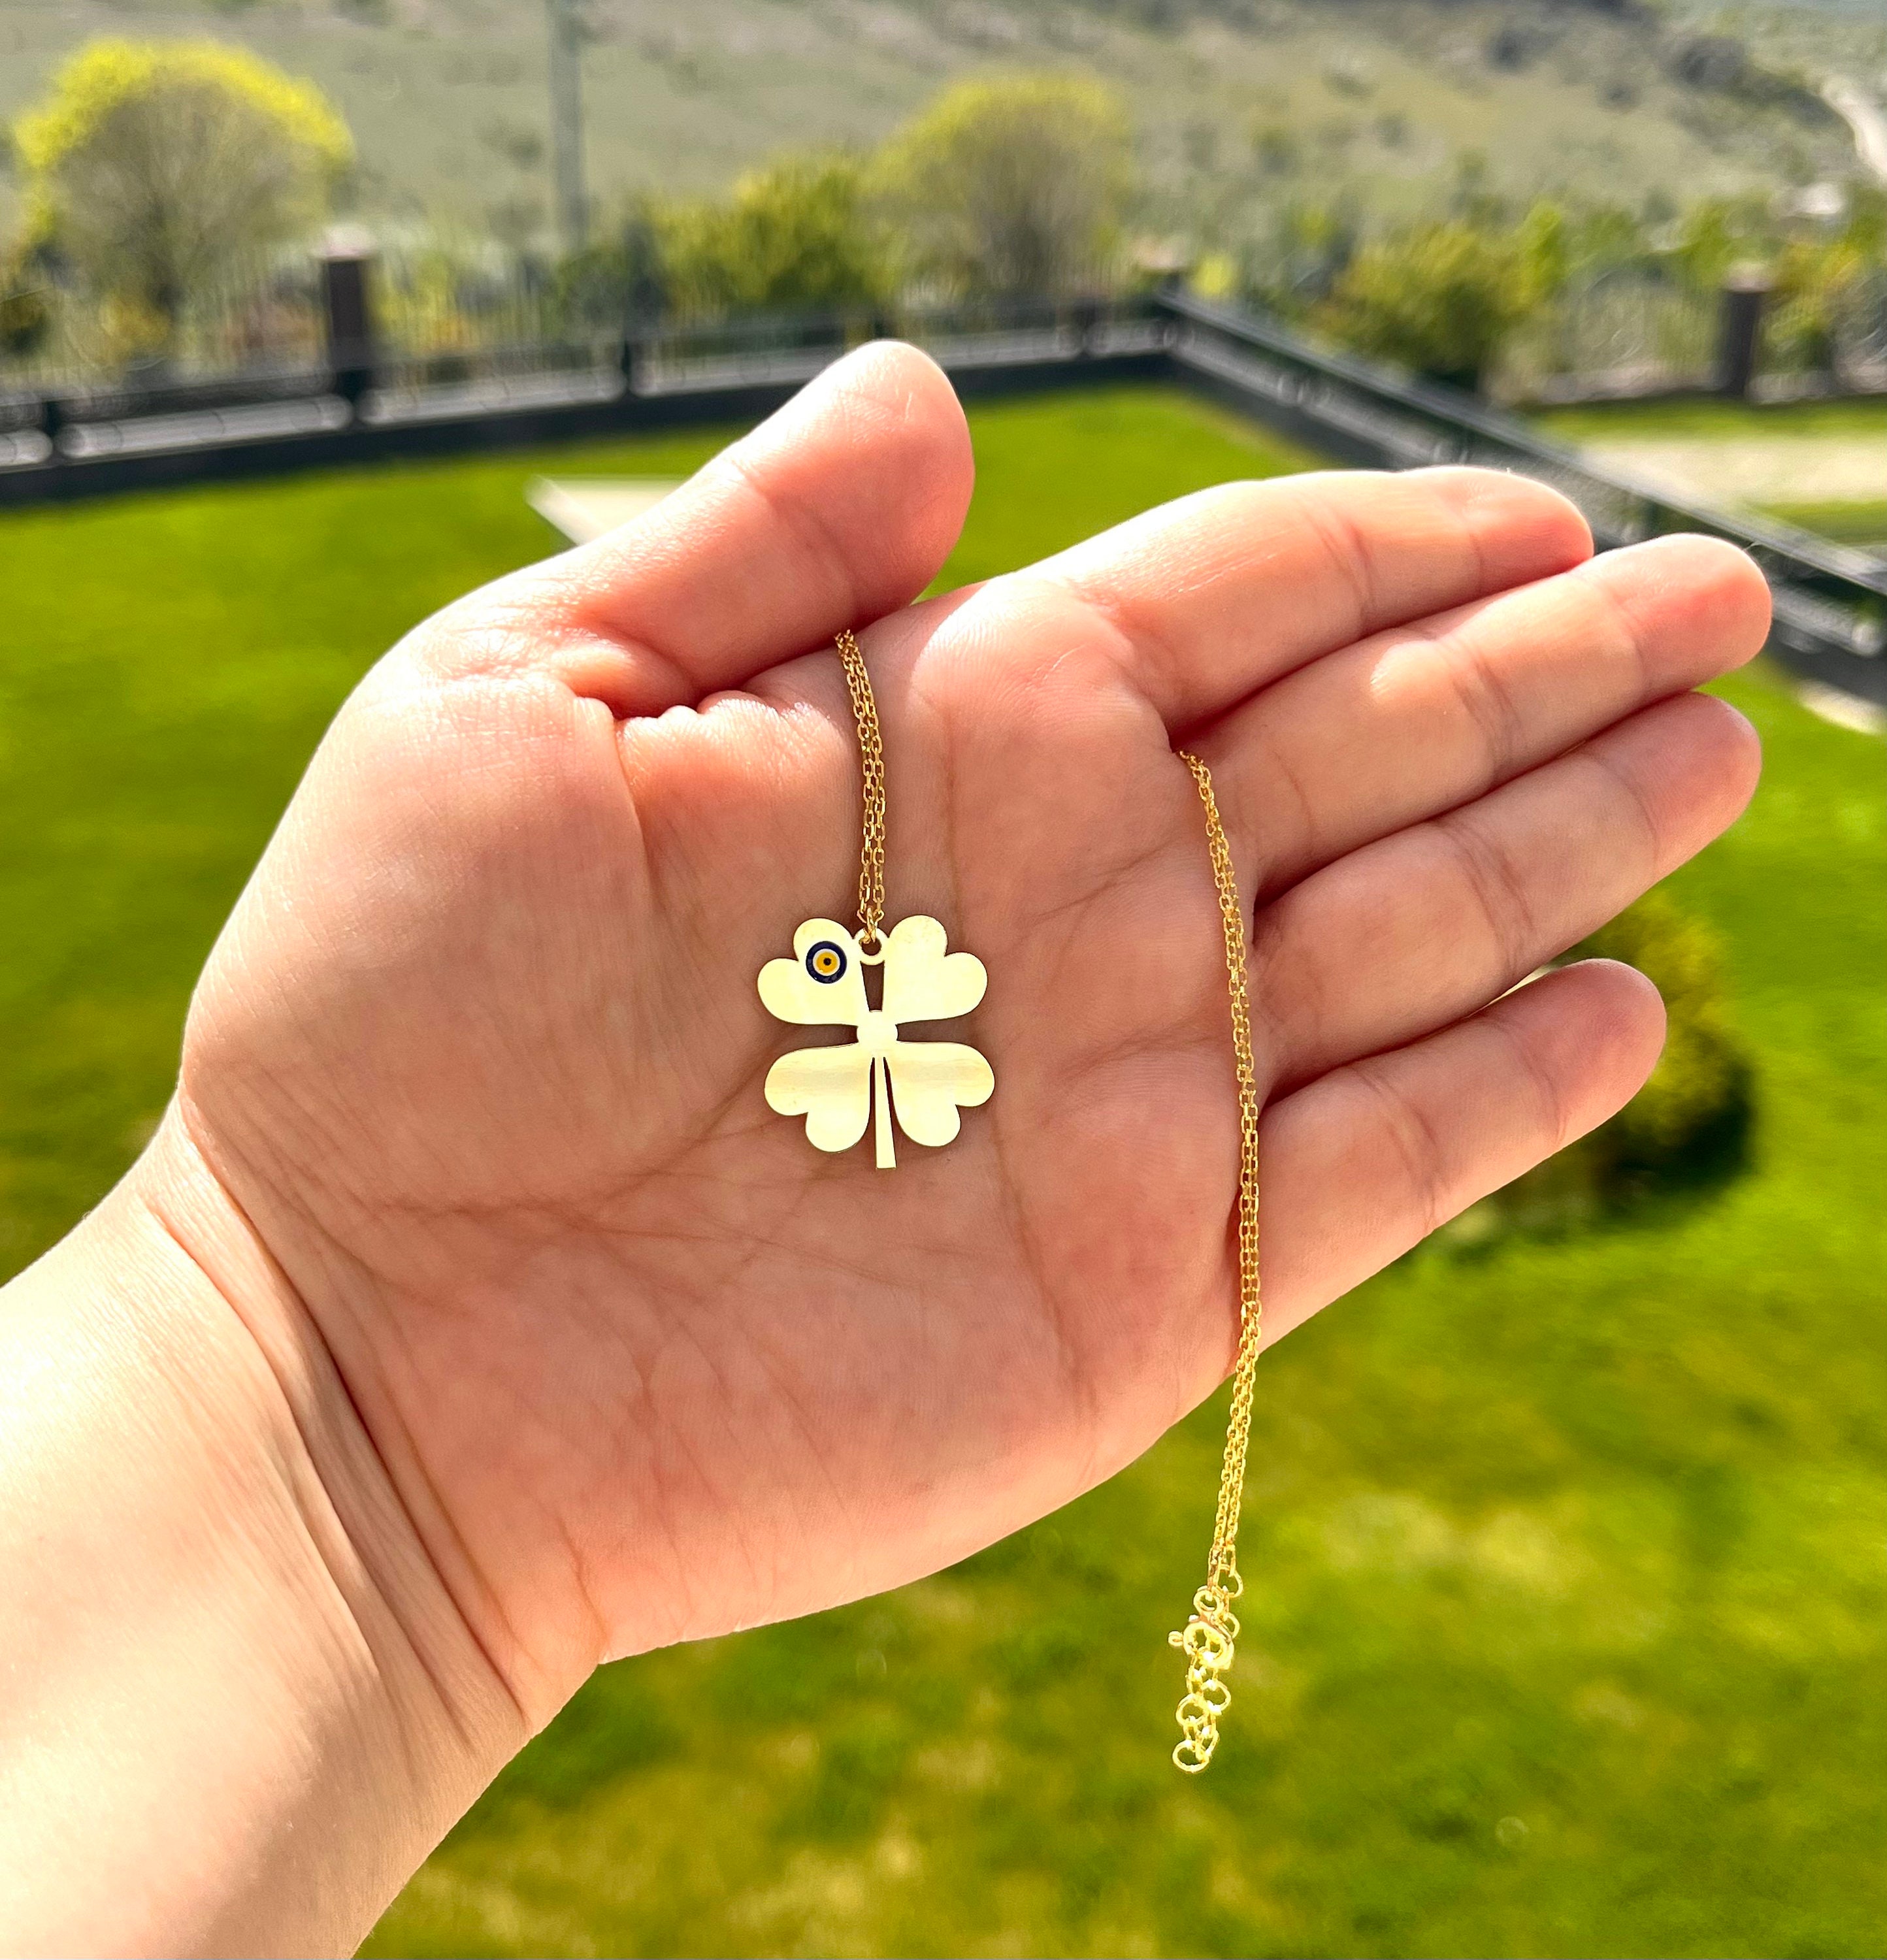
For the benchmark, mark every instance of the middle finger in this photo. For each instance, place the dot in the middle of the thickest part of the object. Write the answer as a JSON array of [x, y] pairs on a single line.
[[1423, 719], [1411, 933]]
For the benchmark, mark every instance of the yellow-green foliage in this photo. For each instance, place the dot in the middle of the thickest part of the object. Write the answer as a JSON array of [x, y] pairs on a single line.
[[1013, 184], [1688, 1127], [1691, 1112], [1439, 297], [1817, 281], [106, 75], [152, 164], [795, 233], [1817, 274], [26, 313]]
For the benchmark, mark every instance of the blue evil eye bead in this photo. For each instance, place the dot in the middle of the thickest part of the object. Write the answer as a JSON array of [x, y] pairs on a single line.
[[826, 963]]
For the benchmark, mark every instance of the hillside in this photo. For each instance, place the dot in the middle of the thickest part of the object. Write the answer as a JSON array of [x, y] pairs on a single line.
[[1237, 99]]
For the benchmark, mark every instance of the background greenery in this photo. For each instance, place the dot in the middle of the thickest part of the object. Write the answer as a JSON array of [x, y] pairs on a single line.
[[1290, 99], [1569, 1555]]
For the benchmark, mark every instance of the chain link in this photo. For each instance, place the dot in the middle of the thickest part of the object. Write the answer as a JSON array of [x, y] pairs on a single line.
[[871, 849], [1208, 1636]]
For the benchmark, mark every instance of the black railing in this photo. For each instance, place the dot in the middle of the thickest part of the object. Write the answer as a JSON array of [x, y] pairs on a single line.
[[1831, 603]]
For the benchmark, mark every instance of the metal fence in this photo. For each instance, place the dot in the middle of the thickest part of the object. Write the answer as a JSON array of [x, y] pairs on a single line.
[[409, 381], [58, 444], [446, 314], [1831, 602], [1623, 334], [1637, 331]]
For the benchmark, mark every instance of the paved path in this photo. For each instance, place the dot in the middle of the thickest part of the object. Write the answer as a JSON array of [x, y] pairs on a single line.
[[1758, 469], [584, 507]]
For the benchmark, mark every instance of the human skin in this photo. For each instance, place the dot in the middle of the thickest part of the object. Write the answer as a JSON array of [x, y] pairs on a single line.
[[471, 1320]]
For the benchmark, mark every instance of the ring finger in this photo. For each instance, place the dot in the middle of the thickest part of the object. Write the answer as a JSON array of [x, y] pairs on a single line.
[[1411, 933]]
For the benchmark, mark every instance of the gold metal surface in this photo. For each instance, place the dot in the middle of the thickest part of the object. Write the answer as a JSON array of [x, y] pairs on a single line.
[[923, 1084], [1208, 1637], [871, 851]]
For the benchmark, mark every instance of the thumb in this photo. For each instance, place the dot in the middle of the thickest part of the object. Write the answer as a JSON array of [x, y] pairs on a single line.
[[839, 508]]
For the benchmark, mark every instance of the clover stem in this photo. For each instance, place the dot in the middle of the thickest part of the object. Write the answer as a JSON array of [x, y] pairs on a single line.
[[881, 1088]]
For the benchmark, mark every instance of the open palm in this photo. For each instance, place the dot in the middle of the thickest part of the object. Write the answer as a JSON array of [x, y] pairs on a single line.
[[481, 1055]]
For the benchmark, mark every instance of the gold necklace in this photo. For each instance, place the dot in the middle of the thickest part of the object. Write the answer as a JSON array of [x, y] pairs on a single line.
[[1208, 1638], [926, 1084], [838, 1091]]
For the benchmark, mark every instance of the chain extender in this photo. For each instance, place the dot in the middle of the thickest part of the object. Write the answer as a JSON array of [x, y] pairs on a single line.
[[1208, 1638]]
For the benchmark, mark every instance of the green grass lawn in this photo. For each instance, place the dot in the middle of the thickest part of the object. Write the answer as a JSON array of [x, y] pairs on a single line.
[[1856, 521], [1702, 418], [1567, 1619], [1853, 521]]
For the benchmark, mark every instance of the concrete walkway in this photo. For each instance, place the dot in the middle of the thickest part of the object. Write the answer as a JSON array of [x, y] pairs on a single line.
[[584, 507], [1758, 468]]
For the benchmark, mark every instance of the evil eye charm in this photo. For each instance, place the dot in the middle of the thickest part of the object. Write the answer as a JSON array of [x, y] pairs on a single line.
[[826, 963]]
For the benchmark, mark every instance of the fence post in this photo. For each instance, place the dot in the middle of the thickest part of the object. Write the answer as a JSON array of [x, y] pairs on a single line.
[[632, 358], [1745, 298], [347, 294]]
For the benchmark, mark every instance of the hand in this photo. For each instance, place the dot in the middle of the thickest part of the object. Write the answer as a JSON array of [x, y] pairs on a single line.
[[478, 1060]]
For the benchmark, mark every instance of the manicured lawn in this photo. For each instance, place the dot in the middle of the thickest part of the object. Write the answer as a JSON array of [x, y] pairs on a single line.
[[1848, 523], [1567, 1621], [1631, 421]]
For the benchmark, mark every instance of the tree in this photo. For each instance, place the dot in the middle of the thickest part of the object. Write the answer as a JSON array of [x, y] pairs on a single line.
[[26, 314], [1440, 298], [150, 167], [1016, 185], [1688, 1130], [797, 233]]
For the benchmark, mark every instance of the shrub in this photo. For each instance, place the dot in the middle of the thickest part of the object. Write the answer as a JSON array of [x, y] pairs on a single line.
[[1688, 1128], [1012, 186], [798, 234], [152, 166], [1438, 298], [25, 307]]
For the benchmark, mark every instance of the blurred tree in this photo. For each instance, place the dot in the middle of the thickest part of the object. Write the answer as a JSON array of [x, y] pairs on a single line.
[[1276, 146], [796, 233], [152, 166], [1718, 233], [1821, 275], [619, 287], [1690, 1122], [1688, 1128], [1440, 298], [26, 306], [1016, 185]]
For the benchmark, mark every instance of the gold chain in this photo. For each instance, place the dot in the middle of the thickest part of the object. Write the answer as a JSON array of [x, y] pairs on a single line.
[[1208, 1638], [871, 849]]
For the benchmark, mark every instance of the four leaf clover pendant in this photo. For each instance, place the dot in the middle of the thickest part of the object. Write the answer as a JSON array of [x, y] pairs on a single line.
[[838, 1090]]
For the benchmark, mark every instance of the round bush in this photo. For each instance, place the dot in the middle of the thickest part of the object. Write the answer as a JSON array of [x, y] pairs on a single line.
[[1688, 1129]]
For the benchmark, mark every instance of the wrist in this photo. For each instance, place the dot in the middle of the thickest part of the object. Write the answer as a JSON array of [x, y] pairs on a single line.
[[236, 1682]]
